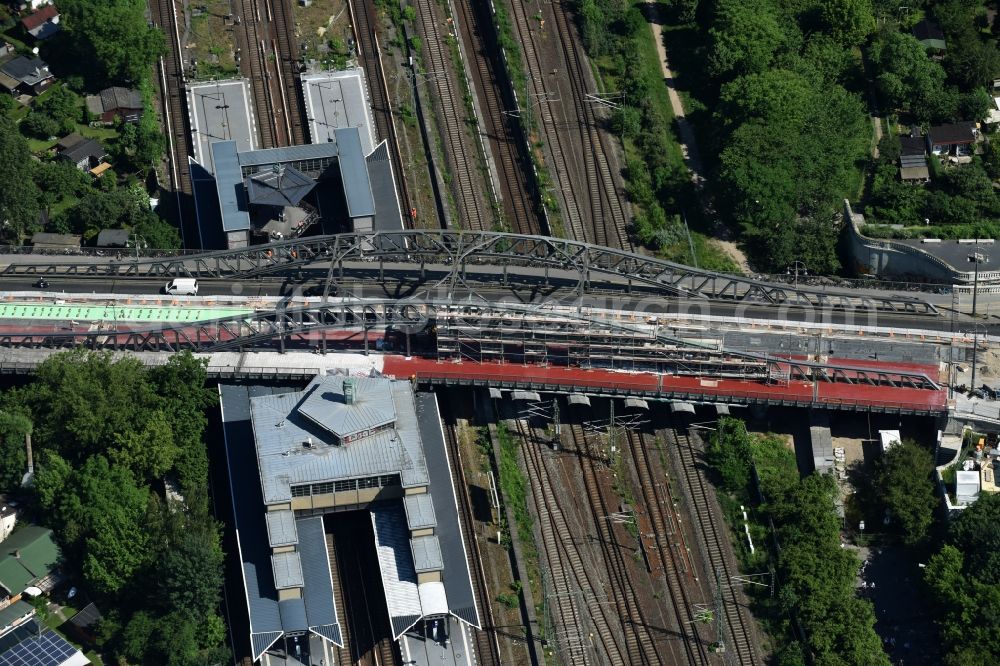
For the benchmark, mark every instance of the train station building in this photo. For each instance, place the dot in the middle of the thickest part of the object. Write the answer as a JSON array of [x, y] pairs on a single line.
[[341, 181], [299, 459]]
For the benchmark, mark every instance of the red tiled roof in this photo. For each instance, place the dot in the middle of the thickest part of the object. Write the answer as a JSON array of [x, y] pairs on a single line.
[[46, 13]]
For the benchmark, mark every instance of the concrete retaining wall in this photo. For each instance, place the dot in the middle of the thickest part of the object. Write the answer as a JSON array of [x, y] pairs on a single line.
[[886, 258]]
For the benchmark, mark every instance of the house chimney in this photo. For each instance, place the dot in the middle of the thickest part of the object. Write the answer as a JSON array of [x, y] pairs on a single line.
[[349, 396]]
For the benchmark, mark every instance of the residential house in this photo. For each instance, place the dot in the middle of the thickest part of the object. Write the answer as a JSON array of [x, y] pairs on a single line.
[[84, 153], [14, 616], [955, 141], [43, 23], [8, 517], [28, 558], [930, 35], [25, 76], [116, 102], [913, 160]]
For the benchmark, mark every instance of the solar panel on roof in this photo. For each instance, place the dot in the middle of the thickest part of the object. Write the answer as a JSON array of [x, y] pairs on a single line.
[[49, 649]]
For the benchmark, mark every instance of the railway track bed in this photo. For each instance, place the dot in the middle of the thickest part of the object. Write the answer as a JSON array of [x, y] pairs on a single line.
[[608, 599]]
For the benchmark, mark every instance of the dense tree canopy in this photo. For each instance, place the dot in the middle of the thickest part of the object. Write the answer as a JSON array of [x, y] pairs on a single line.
[[18, 192], [746, 36], [815, 575], [108, 435], [962, 581], [120, 44], [791, 150], [903, 479]]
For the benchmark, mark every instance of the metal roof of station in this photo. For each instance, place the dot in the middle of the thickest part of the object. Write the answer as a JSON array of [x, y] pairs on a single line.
[[399, 578], [419, 511], [354, 173], [286, 458], [281, 528], [325, 405], [336, 100], [229, 184], [388, 216], [266, 617], [426, 554], [456, 576]]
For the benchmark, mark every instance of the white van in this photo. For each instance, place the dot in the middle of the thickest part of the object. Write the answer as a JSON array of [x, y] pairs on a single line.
[[181, 287]]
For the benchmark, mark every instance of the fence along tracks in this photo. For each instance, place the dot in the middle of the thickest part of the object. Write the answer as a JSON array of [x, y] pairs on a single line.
[[738, 622]]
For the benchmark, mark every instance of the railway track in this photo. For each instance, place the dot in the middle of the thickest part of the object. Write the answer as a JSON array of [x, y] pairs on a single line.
[[739, 628], [521, 212], [487, 648], [344, 653], [364, 20], [594, 207], [567, 573], [252, 53], [639, 644], [286, 50], [474, 208], [678, 570], [174, 102]]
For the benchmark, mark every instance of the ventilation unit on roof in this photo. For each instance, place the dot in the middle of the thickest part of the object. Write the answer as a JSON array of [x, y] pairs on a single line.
[[349, 391]]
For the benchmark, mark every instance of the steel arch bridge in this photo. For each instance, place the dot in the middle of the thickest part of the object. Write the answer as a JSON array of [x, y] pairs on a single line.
[[468, 258], [270, 328]]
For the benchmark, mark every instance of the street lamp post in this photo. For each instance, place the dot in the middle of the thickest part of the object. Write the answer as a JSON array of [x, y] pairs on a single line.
[[797, 266], [137, 237]]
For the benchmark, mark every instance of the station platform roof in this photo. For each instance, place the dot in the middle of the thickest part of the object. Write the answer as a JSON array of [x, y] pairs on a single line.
[[269, 617], [220, 111], [335, 100]]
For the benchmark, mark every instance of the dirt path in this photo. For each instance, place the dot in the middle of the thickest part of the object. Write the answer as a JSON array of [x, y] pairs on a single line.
[[689, 145]]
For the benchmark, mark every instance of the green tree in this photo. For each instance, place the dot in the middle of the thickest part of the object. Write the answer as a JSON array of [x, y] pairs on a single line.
[[972, 62], [148, 452], [907, 78], [745, 38], [120, 45], [729, 454], [123, 208], [790, 156], [18, 192], [848, 21], [40, 125], [111, 507], [59, 180], [903, 479], [14, 426], [976, 534], [63, 106], [137, 636], [191, 573]]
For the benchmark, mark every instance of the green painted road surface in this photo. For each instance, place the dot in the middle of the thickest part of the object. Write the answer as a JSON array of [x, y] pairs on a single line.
[[136, 313]]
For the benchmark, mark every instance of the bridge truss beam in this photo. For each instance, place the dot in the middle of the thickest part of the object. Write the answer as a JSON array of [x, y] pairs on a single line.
[[465, 256]]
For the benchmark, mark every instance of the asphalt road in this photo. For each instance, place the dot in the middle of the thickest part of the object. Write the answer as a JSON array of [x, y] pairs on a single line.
[[360, 284]]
